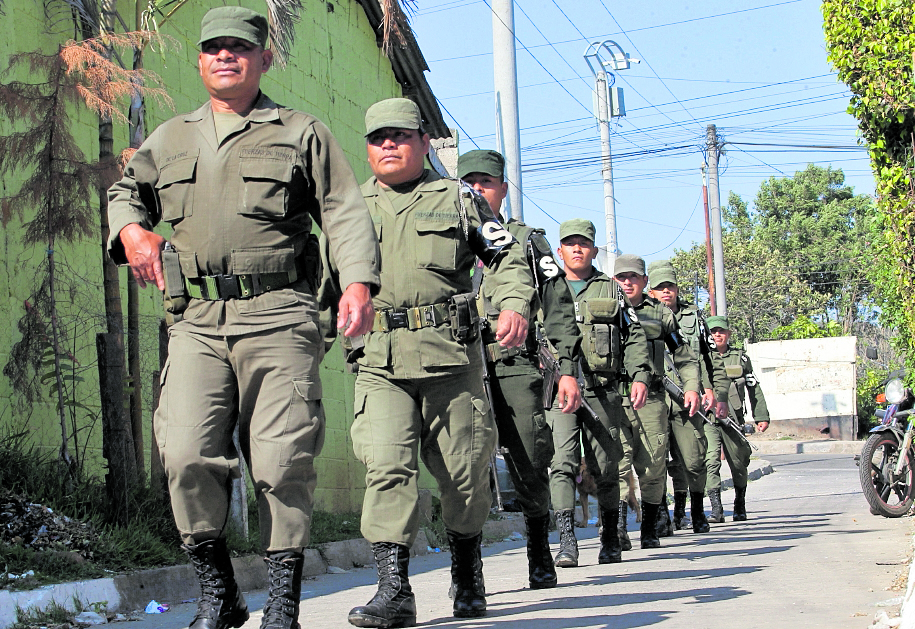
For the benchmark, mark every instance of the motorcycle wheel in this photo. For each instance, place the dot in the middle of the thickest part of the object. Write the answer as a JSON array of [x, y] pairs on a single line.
[[887, 494]]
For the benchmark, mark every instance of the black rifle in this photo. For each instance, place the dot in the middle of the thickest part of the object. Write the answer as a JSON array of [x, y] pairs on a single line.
[[676, 393], [551, 375]]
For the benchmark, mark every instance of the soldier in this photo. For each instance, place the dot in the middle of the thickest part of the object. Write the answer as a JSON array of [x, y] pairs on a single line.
[[737, 451], [615, 351], [645, 432], [419, 388], [689, 443], [516, 381], [240, 181]]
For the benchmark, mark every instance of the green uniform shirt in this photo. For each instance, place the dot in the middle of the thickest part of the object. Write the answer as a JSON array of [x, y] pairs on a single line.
[[552, 305], [746, 381], [711, 366], [247, 205], [658, 323], [633, 343], [426, 260]]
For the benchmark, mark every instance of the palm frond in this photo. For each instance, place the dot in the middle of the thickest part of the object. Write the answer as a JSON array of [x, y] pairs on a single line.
[[61, 14], [395, 22], [283, 16]]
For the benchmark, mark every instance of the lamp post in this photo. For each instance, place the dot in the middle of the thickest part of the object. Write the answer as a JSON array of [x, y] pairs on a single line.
[[601, 56]]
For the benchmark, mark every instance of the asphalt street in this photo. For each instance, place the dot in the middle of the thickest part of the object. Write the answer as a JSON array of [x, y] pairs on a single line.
[[811, 555]]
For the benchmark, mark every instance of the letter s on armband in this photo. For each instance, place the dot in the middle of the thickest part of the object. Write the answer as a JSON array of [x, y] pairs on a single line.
[[488, 240]]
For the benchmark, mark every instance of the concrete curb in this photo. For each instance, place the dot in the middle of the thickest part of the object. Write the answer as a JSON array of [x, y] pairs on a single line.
[[806, 447]]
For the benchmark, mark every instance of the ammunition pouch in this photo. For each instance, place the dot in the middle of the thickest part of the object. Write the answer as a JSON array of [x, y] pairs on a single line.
[[464, 318], [601, 335], [734, 372], [174, 297]]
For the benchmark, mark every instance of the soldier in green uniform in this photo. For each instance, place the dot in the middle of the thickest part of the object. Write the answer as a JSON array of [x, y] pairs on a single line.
[[737, 451], [615, 350], [645, 432], [419, 388], [689, 443], [240, 181], [516, 381]]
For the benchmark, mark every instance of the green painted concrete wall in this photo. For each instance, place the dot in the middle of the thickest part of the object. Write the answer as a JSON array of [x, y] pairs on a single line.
[[336, 71]]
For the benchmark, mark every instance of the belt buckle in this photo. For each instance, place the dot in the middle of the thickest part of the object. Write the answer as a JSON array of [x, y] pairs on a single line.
[[227, 286], [397, 319]]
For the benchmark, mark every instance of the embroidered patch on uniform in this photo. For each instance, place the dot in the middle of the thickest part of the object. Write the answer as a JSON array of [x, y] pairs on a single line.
[[268, 152], [176, 156], [436, 215]]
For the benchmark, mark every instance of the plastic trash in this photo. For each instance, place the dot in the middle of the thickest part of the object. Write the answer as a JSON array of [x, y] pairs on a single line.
[[155, 607]]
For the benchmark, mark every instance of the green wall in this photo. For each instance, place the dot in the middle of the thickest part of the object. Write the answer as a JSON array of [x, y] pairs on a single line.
[[335, 72]]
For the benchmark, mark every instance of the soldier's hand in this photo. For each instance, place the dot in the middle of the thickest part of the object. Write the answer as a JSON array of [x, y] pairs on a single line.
[[511, 330], [708, 400], [638, 395], [691, 402], [721, 410], [761, 426], [568, 394], [356, 312], [143, 249]]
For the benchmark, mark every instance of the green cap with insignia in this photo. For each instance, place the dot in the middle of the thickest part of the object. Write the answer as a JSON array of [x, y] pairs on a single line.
[[629, 263], [718, 322], [396, 113], [661, 271], [234, 22], [487, 162], [577, 227]]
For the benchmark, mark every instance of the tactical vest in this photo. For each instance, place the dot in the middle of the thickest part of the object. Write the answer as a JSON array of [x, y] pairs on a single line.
[[654, 331], [733, 367]]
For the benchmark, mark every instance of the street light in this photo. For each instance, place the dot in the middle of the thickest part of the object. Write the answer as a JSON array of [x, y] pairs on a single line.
[[601, 57]]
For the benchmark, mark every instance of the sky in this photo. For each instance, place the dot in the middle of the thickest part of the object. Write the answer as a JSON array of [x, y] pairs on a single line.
[[757, 69]]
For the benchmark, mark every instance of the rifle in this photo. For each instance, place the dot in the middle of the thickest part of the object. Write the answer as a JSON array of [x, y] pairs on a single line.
[[551, 374], [676, 393]]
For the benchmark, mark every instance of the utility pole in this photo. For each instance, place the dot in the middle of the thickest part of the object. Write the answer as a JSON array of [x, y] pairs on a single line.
[[709, 264], [599, 56], [713, 147], [505, 79]]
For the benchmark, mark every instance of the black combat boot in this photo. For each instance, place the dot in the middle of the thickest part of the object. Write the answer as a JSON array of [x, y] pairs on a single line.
[[649, 525], [697, 509], [714, 496], [567, 557], [221, 604], [623, 529], [664, 526], [394, 604], [467, 575], [681, 520], [284, 571], [540, 569], [610, 549], [740, 504]]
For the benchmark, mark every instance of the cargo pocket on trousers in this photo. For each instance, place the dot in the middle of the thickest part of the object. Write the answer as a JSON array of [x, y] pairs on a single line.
[[160, 425], [359, 430], [304, 421]]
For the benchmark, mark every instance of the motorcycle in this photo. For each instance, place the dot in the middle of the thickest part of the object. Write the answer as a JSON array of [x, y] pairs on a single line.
[[886, 462]]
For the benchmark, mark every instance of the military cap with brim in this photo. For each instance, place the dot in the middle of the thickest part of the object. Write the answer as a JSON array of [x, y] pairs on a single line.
[[234, 22], [661, 271], [396, 113], [718, 322], [577, 227], [487, 162], [629, 263]]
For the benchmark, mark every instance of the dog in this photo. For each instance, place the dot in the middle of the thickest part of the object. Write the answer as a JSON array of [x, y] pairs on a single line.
[[587, 487]]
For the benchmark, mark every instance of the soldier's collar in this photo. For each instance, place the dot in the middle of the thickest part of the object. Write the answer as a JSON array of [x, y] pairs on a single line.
[[265, 110]]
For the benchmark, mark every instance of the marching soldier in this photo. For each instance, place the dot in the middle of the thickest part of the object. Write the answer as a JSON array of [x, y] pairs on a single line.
[[737, 451], [645, 432], [615, 354], [419, 387], [689, 444], [516, 382]]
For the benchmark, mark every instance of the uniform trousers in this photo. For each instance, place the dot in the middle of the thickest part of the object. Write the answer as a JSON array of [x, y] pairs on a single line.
[[517, 397], [600, 439], [736, 451], [267, 382], [446, 420], [688, 447], [644, 437]]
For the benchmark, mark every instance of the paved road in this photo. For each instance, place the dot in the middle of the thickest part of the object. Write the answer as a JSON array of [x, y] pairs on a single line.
[[811, 555]]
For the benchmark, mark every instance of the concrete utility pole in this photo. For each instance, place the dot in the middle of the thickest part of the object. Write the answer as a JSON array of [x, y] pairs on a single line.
[[599, 56], [505, 79], [712, 147], [709, 263]]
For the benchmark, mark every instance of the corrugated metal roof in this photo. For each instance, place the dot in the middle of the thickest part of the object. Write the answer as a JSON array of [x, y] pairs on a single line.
[[409, 67]]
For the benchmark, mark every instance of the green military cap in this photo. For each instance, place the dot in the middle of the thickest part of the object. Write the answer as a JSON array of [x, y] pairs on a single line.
[[577, 227], [718, 322], [234, 22], [397, 113], [487, 162], [661, 271], [629, 263]]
